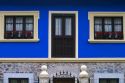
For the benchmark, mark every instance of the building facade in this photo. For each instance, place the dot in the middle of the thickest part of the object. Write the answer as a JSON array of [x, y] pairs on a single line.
[[62, 41]]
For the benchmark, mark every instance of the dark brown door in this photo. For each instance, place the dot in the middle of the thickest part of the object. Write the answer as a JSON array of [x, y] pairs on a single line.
[[63, 35], [64, 80]]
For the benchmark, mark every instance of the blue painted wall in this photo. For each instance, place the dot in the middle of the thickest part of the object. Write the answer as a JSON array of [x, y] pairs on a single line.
[[85, 50]]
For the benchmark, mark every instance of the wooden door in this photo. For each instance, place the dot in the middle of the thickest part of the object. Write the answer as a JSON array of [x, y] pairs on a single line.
[[63, 36]]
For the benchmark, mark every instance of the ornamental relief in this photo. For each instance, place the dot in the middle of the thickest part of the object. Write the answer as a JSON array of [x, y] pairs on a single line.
[[63, 74], [63, 70]]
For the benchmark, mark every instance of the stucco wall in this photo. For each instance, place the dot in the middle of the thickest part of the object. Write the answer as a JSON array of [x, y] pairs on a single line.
[[40, 49]]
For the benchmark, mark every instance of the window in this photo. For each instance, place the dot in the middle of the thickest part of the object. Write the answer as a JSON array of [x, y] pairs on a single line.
[[18, 80], [108, 80], [106, 27], [19, 26]]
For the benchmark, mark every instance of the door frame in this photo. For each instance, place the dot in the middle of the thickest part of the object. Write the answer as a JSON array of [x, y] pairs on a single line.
[[49, 31]]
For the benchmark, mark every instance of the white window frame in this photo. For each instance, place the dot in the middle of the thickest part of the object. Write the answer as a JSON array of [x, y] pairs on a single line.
[[49, 31], [35, 14], [18, 75], [97, 76], [91, 16]]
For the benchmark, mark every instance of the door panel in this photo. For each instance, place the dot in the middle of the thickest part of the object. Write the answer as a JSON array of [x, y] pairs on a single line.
[[63, 36]]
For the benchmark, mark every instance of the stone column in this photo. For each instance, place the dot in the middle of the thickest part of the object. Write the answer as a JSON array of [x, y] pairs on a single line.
[[83, 76], [44, 76]]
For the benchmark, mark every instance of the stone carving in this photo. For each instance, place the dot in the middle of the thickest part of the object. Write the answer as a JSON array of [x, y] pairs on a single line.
[[83, 73], [44, 73], [63, 74], [83, 76], [44, 76]]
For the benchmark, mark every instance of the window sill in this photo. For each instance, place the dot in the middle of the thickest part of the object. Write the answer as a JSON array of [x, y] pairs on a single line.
[[19, 40], [106, 41]]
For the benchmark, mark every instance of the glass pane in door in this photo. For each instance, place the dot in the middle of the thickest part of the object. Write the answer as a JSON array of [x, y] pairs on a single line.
[[58, 26], [68, 27]]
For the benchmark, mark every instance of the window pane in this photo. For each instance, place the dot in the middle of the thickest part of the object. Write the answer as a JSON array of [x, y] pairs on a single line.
[[29, 27], [68, 26], [108, 28], [117, 21], [19, 20], [13, 81], [29, 20], [58, 26], [24, 81], [9, 27], [19, 27], [9, 20], [108, 21], [103, 81], [114, 81], [98, 28], [117, 28], [98, 21]]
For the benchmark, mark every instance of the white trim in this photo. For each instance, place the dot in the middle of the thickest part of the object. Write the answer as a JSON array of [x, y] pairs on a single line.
[[57, 60], [18, 75], [108, 75], [49, 30]]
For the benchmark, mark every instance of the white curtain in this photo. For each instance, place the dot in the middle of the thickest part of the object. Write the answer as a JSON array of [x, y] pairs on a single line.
[[9, 27], [108, 25], [9, 24], [98, 25], [68, 27], [19, 24], [29, 24], [29, 20], [29, 27], [58, 26], [98, 28], [118, 25], [9, 20]]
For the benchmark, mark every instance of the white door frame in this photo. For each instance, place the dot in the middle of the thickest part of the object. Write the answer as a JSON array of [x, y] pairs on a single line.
[[76, 29]]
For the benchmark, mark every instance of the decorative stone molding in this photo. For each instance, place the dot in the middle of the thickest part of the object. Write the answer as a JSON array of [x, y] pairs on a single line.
[[44, 76], [83, 76]]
